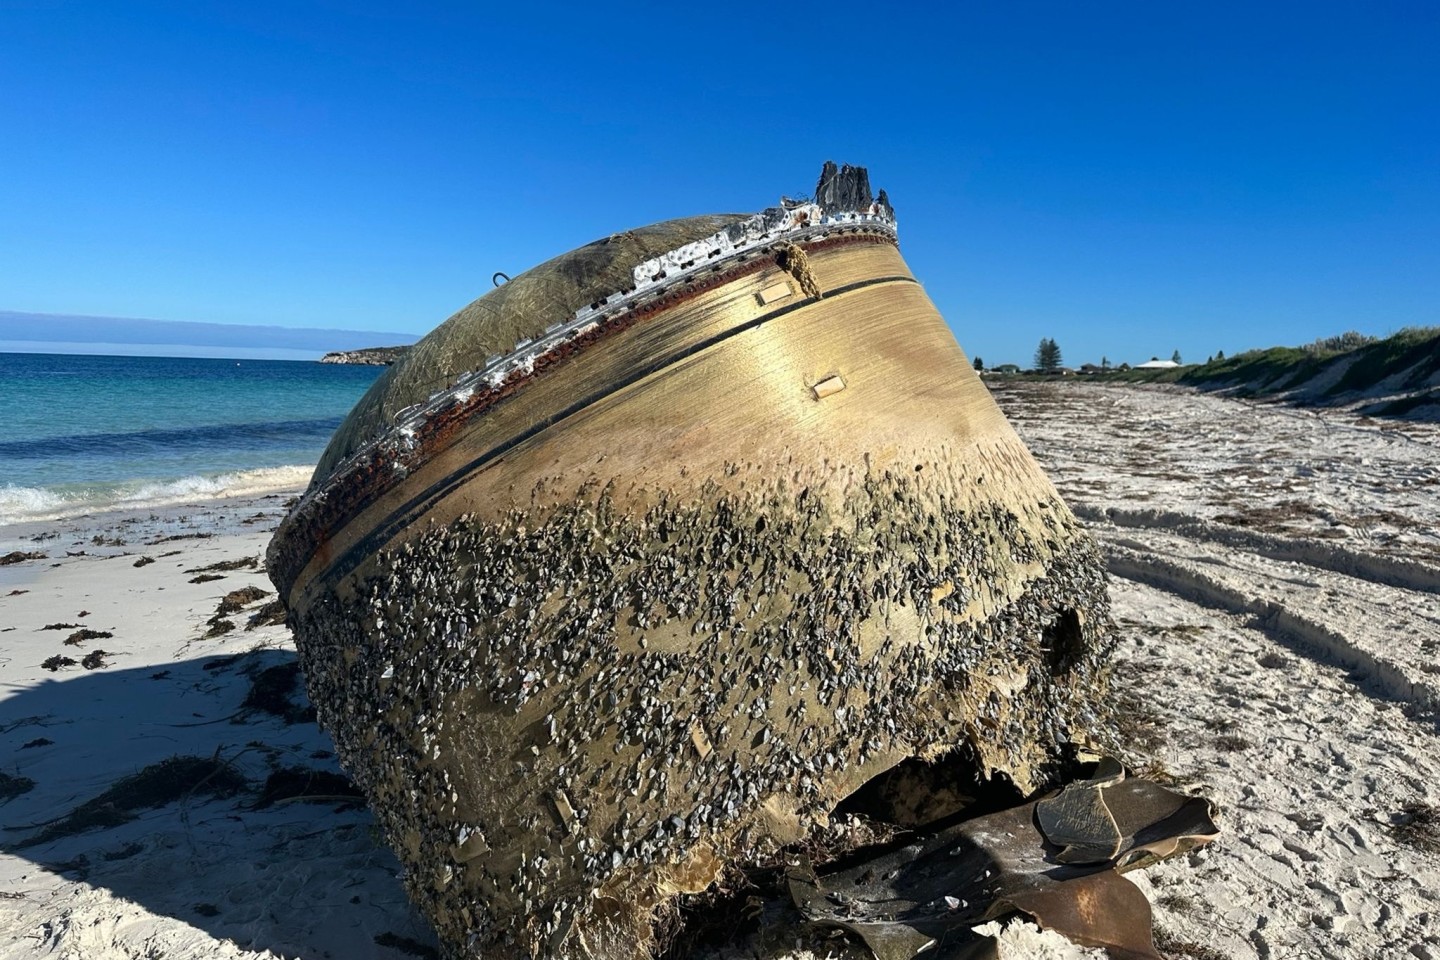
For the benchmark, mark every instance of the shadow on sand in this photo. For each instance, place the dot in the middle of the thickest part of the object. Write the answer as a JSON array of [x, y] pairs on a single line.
[[202, 791]]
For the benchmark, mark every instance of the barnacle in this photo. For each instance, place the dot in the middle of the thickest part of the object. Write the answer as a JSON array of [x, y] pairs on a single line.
[[652, 596]]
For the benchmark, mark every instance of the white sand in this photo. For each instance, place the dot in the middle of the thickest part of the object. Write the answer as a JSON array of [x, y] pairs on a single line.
[[1279, 604], [202, 877], [1293, 661]]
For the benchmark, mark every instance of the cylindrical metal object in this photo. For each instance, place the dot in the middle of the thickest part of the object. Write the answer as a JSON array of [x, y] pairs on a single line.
[[728, 533]]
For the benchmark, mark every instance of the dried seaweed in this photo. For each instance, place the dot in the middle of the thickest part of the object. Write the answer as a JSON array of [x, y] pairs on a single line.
[[271, 615], [168, 781], [237, 600], [1418, 826], [405, 945], [95, 659], [80, 636], [271, 690], [225, 566], [313, 786], [12, 787]]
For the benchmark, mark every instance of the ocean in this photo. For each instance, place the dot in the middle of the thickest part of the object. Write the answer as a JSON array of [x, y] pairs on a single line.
[[83, 433]]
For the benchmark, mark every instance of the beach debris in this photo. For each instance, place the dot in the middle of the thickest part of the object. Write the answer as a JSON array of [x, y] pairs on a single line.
[[123, 853], [938, 887], [20, 556], [12, 786], [227, 566], [95, 659], [198, 535], [218, 626], [56, 662], [80, 636], [207, 577], [37, 742], [271, 691], [1418, 825], [237, 600], [661, 619], [143, 562], [174, 779], [406, 945], [270, 615], [290, 784], [60, 626]]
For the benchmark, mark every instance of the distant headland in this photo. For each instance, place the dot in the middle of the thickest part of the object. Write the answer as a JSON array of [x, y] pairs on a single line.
[[370, 356], [52, 333]]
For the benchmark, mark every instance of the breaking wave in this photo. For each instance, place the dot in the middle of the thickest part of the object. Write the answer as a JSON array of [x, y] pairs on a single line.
[[19, 504]]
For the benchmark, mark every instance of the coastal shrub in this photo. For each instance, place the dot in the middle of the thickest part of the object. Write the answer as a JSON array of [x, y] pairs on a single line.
[[1414, 348], [1341, 343], [1263, 371]]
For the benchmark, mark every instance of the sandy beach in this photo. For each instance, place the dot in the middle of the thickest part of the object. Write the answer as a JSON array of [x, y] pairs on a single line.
[[1276, 587], [254, 851]]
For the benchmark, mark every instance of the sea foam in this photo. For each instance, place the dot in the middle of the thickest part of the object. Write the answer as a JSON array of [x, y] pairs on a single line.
[[19, 504]]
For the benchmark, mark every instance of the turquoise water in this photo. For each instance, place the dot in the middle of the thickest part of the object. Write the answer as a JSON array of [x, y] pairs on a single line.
[[85, 432]]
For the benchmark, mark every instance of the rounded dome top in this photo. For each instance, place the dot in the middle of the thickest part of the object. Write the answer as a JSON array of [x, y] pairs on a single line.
[[518, 310]]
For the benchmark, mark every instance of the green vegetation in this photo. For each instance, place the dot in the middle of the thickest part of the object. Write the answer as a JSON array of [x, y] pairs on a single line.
[[1335, 369], [1047, 356], [1414, 349]]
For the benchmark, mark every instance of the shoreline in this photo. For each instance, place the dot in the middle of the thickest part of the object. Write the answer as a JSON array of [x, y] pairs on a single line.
[[143, 669], [33, 506], [1254, 553]]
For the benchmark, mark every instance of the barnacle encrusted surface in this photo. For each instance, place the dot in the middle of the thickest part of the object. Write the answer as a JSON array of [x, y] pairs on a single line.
[[645, 599], [573, 713]]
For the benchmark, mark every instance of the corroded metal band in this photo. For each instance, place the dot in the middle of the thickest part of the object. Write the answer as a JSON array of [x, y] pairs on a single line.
[[677, 323]]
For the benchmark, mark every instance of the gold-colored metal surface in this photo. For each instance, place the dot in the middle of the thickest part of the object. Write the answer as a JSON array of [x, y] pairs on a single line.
[[665, 607]]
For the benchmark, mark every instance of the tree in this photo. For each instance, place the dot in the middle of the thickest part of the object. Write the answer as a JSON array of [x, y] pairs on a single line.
[[1175, 356], [1104, 363], [1047, 356], [1220, 356], [979, 365]]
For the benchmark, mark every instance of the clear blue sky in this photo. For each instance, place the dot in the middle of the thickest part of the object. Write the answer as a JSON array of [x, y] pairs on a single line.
[[1128, 178]]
